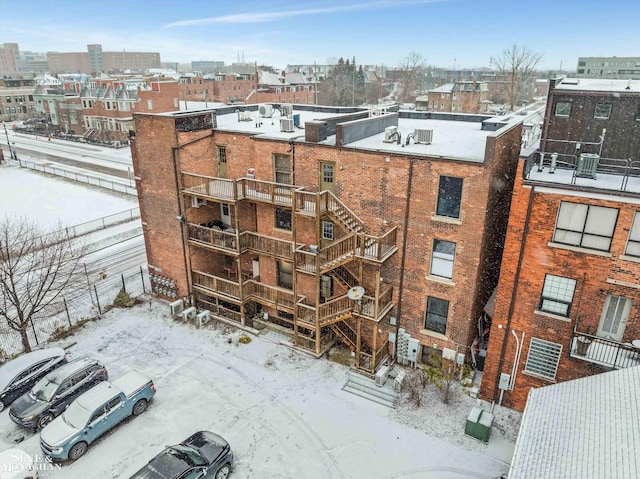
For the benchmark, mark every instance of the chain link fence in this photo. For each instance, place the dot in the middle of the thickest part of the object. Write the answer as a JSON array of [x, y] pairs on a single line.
[[62, 316]]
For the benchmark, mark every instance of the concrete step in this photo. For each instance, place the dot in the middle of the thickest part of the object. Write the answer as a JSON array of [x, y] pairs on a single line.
[[367, 389]]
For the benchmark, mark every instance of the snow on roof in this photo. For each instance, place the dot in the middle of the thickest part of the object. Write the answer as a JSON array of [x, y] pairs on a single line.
[[588, 427], [598, 84], [446, 88], [268, 78], [296, 79], [131, 382]]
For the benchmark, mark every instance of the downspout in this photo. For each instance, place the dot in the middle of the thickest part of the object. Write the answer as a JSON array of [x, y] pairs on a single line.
[[182, 220], [514, 292], [404, 255]]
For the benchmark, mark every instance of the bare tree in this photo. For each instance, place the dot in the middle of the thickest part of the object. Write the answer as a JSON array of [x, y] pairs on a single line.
[[36, 268], [412, 70], [516, 66]]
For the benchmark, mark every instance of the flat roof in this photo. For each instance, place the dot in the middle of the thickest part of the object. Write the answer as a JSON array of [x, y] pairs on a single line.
[[598, 84]]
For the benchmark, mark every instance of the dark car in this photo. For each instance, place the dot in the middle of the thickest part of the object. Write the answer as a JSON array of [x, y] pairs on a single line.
[[54, 392], [203, 455], [19, 375]]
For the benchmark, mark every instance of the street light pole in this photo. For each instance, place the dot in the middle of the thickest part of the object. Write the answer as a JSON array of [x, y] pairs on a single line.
[[11, 152]]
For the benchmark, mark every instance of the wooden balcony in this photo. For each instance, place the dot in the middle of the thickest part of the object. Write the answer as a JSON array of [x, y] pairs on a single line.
[[266, 245], [377, 248], [232, 242], [213, 238], [216, 286], [279, 298], [373, 309]]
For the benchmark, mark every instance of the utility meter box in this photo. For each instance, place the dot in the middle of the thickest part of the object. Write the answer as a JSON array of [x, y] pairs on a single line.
[[479, 424]]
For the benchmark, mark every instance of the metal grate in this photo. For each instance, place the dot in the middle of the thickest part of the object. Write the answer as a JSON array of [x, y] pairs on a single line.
[[543, 358]]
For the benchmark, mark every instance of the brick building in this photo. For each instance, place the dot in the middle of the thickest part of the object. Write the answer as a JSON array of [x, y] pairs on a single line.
[[569, 283], [458, 97], [269, 219]]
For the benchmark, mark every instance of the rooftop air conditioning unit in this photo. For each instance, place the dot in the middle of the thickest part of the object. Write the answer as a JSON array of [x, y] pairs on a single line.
[[266, 111], [197, 202], [390, 134], [189, 313], [286, 110], [176, 307], [587, 165], [286, 124], [203, 317], [423, 136], [245, 116]]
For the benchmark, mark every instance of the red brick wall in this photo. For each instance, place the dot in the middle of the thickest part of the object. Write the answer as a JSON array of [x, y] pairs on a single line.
[[593, 273]]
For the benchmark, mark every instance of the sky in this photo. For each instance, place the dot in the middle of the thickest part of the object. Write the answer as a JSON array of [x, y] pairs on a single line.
[[447, 33]]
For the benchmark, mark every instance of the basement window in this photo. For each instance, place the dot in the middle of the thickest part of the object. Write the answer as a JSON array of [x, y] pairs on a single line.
[[543, 358]]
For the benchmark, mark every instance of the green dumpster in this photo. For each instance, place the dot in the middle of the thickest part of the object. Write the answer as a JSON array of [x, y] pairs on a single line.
[[479, 424]]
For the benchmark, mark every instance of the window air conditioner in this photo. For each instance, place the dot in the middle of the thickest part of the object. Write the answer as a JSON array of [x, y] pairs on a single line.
[[423, 136], [390, 134]]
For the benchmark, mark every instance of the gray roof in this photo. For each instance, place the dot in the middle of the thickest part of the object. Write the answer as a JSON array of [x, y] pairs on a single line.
[[446, 88], [586, 428]]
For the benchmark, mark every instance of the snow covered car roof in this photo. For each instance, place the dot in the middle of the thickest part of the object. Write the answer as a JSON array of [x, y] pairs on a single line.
[[9, 370]]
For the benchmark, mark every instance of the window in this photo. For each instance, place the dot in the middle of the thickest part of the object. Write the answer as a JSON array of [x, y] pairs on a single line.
[[222, 154], [150, 104], [563, 108], [442, 258], [282, 169], [283, 218], [543, 358], [97, 415], [327, 172], [327, 230], [585, 226], [436, 315], [633, 244], [449, 196], [285, 274], [114, 403], [602, 111], [557, 295]]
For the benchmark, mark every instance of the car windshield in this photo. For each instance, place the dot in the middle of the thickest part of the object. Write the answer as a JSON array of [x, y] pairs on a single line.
[[76, 416], [188, 455], [44, 389]]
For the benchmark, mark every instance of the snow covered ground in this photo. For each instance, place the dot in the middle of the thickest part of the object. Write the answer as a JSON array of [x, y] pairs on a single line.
[[283, 413]]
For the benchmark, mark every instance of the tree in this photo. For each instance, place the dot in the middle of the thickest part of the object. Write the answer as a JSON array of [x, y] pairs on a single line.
[[516, 66], [344, 85], [412, 72], [444, 374], [36, 268]]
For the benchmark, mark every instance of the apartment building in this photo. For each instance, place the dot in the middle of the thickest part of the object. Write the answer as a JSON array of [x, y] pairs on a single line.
[[95, 60], [458, 97], [568, 296], [330, 224], [8, 59], [17, 102], [609, 67]]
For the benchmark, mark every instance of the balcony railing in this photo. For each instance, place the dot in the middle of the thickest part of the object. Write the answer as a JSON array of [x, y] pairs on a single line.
[[377, 248], [209, 236], [329, 311], [372, 309], [216, 285], [279, 298], [266, 244], [604, 352]]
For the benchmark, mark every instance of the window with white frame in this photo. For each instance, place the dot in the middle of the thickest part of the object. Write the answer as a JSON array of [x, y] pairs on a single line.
[[327, 230], [633, 243], [436, 315], [557, 295], [543, 358], [602, 111], [586, 226], [442, 258], [282, 169], [563, 108]]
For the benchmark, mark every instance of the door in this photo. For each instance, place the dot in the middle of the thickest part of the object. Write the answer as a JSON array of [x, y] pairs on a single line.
[[222, 161], [225, 213], [326, 288], [327, 176], [614, 317], [255, 268]]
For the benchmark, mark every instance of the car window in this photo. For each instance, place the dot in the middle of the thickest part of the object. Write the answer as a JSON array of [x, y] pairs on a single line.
[[97, 415], [193, 474], [115, 402], [64, 387], [36, 367], [77, 379], [21, 376]]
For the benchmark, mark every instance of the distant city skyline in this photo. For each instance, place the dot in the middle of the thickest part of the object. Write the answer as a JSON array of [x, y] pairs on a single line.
[[447, 33]]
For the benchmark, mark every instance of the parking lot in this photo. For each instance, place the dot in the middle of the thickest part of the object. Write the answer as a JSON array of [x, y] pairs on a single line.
[[283, 413]]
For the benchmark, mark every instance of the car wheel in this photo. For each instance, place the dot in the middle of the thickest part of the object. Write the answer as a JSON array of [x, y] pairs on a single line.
[[44, 420], [223, 472], [77, 451], [139, 407]]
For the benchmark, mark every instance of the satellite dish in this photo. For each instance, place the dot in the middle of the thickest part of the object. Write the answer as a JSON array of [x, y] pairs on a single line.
[[355, 293]]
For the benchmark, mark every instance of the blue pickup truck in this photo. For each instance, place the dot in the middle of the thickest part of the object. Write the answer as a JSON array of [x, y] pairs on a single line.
[[94, 413]]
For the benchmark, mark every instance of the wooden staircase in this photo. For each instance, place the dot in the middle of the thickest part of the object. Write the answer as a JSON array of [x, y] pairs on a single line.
[[346, 334]]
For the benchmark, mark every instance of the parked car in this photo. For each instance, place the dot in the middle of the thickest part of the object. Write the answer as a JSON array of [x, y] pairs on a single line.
[[95, 412], [20, 374], [54, 392], [17, 464], [203, 455]]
